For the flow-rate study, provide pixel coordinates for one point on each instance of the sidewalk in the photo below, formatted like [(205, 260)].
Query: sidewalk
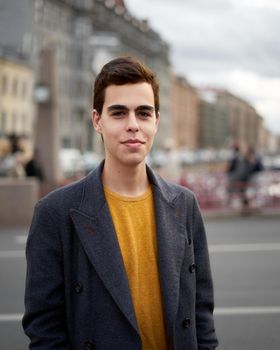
[(207, 214), (227, 213)]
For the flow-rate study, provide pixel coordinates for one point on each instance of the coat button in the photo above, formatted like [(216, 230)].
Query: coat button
[(88, 345), (192, 268), (189, 241), (186, 323), (78, 288)]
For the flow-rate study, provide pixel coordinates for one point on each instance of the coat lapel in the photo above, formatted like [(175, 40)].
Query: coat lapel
[(96, 231), (171, 246)]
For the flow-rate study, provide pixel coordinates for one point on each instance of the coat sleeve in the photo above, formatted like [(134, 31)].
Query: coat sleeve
[(206, 337), (44, 319)]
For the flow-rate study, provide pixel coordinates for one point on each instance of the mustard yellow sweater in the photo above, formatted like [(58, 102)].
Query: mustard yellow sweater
[(134, 222)]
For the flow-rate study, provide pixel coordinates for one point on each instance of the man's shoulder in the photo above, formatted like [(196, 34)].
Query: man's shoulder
[(174, 190), (64, 197)]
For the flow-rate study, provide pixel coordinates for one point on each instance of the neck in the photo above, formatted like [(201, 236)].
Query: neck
[(126, 180)]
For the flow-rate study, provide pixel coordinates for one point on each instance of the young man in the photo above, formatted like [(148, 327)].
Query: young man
[(119, 259)]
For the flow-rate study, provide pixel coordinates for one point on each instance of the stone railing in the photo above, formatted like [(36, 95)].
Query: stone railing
[(17, 200)]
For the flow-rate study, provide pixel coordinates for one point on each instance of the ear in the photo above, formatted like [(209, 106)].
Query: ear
[(96, 121)]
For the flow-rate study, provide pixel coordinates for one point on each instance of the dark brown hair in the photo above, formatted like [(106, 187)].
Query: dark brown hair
[(120, 71)]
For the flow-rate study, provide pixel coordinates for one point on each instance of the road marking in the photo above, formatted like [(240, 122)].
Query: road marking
[(218, 248), (4, 254), (10, 317), (251, 247), (21, 239), (253, 310), (220, 311)]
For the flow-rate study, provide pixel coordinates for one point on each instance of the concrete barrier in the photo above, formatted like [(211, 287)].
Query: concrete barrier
[(17, 200)]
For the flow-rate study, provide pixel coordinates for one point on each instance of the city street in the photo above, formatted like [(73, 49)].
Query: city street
[(245, 257)]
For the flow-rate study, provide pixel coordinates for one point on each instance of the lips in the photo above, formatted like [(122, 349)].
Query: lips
[(133, 141)]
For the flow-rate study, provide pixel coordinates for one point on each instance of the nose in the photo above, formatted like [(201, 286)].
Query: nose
[(132, 123)]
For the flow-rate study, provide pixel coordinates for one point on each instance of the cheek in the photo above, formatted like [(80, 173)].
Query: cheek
[(153, 130), (112, 135)]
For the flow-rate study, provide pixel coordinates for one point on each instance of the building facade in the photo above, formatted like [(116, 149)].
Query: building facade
[(185, 114), (214, 126), (244, 121), (16, 95), (84, 34), (269, 143)]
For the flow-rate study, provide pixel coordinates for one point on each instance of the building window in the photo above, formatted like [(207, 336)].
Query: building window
[(14, 122), (15, 86), (24, 89), (79, 58), (38, 13), (24, 126), (82, 27), (3, 122), (51, 12), (4, 85)]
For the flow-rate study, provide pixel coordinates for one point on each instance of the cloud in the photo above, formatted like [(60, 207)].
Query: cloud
[(271, 4), (249, 39), (223, 42)]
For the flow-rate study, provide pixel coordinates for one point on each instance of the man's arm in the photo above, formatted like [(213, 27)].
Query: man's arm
[(44, 319), (206, 337)]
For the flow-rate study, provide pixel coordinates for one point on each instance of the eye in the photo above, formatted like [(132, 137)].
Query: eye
[(118, 114), (144, 114)]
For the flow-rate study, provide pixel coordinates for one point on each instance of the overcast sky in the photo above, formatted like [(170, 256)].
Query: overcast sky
[(231, 44)]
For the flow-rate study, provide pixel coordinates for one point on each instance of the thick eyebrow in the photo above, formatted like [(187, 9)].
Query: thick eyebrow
[(125, 108), (118, 107), (145, 107)]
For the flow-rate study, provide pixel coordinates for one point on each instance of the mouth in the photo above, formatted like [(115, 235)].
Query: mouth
[(132, 142)]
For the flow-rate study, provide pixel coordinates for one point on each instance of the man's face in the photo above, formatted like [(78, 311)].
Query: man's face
[(128, 123)]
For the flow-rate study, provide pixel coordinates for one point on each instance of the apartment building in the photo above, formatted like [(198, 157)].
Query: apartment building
[(214, 122), (16, 98), (244, 121), (84, 34), (185, 117)]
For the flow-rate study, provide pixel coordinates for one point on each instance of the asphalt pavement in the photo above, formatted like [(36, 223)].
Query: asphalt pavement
[(245, 258)]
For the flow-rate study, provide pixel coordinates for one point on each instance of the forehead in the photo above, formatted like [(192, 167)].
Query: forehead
[(129, 94)]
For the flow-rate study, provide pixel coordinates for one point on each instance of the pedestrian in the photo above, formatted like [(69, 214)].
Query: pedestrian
[(33, 167), (119, 259), (12, 165), (246, 164), (234, 159)]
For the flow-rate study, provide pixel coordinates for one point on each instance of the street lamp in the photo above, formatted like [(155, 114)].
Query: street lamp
[(42, 93)]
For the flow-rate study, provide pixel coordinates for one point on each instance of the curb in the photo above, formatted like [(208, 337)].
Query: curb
[(223, 214)]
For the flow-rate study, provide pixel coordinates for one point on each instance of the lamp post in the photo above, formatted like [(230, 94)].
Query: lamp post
[(47, 140)]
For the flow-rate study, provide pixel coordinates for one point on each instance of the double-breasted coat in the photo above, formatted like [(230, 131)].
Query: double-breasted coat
[(77, 293)]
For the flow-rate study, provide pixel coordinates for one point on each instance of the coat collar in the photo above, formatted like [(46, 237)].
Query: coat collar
[(95, 228), (93, 194)]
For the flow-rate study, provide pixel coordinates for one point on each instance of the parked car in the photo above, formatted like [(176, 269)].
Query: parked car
[(75, 164)]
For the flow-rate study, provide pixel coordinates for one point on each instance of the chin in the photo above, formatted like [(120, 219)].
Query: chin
[(133, 161)]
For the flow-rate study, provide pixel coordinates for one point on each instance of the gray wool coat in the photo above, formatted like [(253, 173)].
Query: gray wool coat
[(77, 293)]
